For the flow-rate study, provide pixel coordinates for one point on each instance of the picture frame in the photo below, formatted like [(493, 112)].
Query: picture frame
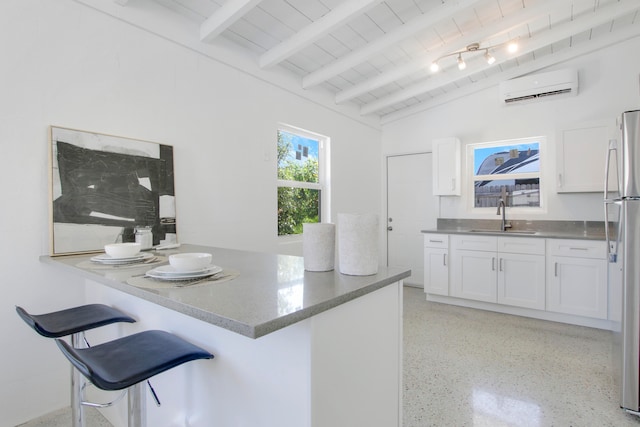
[(104, 187)]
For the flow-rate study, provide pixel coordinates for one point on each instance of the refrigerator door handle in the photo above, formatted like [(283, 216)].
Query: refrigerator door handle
[(612, 246), (613, 149), (612, 250)]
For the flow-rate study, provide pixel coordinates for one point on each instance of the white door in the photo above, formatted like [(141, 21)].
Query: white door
[(411, 208)]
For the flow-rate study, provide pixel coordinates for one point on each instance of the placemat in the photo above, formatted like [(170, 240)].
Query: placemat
[(87, 264), (151, 283)]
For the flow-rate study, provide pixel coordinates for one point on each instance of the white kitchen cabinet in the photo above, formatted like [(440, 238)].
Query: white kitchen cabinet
[(473, 275), (473, 267), (436, 264), (521, 272), (577, 277), (580, 158), (521, 280), (506, 270), (446, 166)]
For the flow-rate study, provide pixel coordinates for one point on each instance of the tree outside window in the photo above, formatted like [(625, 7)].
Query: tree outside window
[(300, 184)]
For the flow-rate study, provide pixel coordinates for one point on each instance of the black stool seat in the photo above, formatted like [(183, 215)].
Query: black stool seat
[(73, 320), (126, 361)]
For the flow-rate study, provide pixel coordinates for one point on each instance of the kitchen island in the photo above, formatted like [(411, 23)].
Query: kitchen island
[(292, 348)]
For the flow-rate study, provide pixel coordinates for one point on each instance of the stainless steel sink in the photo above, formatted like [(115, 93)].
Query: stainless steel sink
[(504, 232)]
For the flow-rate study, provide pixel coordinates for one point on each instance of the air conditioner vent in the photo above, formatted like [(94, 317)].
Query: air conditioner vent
[(538, 95), (540, 85)]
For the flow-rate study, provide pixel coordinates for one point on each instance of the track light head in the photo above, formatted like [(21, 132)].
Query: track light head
[(490, 59), (461, 64)]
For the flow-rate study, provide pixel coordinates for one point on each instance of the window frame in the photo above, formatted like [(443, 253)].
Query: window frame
[(472, 177), (324, 176)]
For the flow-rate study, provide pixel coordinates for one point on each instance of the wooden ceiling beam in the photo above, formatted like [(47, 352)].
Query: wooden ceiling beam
[(426, 20), (314, 31), (224, 17)]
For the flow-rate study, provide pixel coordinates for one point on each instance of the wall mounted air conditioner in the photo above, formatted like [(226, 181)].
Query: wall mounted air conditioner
[(540, 85)]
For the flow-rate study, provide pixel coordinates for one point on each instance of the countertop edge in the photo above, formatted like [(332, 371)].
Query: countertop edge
[(535, 235)]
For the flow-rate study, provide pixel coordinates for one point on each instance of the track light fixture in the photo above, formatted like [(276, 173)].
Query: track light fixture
[(461, 64), (512, 47)]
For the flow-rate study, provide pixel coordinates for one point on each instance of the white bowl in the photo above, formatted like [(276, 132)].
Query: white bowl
[(190, 261), (122, 250)]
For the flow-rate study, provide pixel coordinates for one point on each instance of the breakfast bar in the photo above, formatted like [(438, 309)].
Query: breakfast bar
[(292, 347)]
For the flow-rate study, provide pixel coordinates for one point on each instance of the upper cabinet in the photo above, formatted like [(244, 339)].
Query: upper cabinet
[(446, 167), (580, 156)]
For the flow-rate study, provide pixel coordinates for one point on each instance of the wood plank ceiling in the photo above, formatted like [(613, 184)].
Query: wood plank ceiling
[(374, 56)]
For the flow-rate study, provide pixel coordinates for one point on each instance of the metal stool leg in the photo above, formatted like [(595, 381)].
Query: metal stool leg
[(137, 405), (78, 383)]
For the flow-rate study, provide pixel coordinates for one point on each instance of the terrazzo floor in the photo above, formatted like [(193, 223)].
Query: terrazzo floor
[(465, 367)]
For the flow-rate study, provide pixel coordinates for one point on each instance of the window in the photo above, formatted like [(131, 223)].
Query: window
[(507, 170), (302, 179)]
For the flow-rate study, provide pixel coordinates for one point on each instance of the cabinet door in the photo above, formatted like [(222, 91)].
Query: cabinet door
[(521, 280), (436, 271), (446, 166), (580, 155), (577, 286), (473, 275)]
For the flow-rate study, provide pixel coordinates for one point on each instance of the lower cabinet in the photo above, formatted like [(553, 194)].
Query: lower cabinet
[(554, 275), (473, 275), (577, 278), (521, 272), (436, 264), (504, 270)]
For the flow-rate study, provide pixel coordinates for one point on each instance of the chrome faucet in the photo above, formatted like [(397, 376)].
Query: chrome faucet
[(504, 224)]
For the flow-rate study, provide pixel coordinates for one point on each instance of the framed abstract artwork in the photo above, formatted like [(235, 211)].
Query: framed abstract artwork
[(104, 187)]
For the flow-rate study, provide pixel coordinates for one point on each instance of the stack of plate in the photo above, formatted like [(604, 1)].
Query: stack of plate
[(167, 272), (109, 260)]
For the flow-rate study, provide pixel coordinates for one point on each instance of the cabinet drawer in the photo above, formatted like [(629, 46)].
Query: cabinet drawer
[(577, 248), (474, 243), (521, 245), (436, 240)]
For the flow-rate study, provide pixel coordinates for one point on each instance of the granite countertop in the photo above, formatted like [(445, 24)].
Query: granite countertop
[(270, 291), (584, 230)]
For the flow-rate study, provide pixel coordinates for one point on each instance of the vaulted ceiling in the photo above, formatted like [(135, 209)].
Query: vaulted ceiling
[(372, 58)]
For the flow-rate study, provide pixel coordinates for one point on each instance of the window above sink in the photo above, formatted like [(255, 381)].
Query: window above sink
[(508, 170)]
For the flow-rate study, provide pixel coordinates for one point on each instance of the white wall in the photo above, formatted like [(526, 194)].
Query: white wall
[(65, 64), (608, 86)]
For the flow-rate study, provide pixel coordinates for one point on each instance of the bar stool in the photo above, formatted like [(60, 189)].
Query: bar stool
[(126, 362), (74, 322)]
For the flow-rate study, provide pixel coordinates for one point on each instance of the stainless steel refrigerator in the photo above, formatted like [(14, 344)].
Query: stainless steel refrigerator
[(622, 225)]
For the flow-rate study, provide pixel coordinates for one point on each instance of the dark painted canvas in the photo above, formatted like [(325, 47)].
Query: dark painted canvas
[(103, 187)]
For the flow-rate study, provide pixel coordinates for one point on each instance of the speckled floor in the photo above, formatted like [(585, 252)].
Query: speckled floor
[(465, 367)]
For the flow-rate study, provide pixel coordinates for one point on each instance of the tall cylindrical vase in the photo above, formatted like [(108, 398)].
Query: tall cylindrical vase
[(318, 246), (358, 244)]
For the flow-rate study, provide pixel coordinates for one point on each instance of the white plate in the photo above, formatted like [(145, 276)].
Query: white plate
[(172, 271), (166, 272), (107, 259)]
